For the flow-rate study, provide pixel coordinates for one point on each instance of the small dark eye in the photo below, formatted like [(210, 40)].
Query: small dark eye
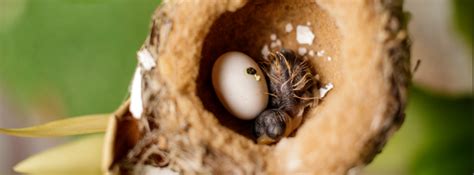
[(251, 71)]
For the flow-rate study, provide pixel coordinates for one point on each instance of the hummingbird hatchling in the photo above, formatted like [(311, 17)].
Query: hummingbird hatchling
[(290, 83)]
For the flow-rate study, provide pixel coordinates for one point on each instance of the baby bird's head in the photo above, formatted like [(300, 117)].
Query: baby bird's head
[(270, 126)]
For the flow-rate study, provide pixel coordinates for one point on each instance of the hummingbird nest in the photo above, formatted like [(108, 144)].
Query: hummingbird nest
[(178, 125)]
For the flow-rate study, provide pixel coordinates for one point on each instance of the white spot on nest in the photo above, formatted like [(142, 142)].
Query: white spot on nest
[(375, 125), (355, 170), (329, 58), (378, 121), (294, 163), (308, 23), (324, 90), (294, 160), (164, 31), (320, 53), (136, 104), (150, 170), (265, 51), (304, 35), (302, 51), (276, 43), (288, 28), (311, 53), (292, 156), (273, 37), (146, 59)]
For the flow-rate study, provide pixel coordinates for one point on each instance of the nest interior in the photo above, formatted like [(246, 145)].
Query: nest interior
[(248, 29)]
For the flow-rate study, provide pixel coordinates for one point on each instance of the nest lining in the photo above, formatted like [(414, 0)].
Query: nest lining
[(252, 27)]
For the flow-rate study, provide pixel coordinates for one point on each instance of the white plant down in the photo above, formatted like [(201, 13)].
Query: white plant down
[(146, 59), (288, 28), (302, 51), (265, 51), (276, 43), (150, 170), (136, 103), (273, 37), (304, 35), (324, 90), (320, 53), (311, 53)]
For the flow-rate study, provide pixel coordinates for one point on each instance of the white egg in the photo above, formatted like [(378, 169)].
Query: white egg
[(240, 85)]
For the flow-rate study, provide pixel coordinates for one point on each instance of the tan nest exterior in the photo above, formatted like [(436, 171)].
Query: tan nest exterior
[(184, 127)]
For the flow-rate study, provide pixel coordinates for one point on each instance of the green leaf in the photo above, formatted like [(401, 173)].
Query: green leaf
[(71, 126), (82, 156)]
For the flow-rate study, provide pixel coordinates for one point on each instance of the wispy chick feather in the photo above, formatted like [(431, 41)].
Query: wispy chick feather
[(290, 83)]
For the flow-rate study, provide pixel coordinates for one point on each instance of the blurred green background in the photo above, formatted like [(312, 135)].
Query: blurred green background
[(82, 51), (64, 58), (73, 57)]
